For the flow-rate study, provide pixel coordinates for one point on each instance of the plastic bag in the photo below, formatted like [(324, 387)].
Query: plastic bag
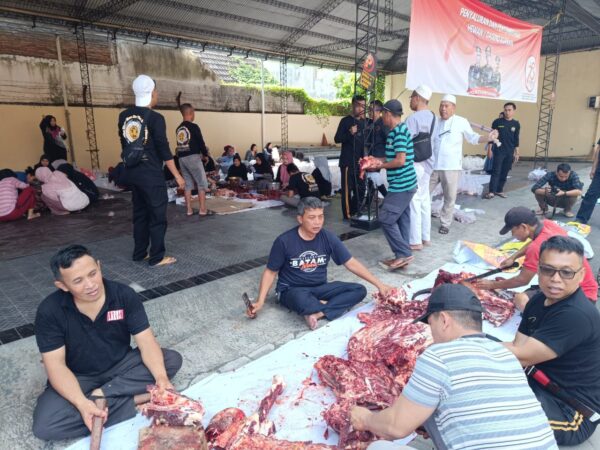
[(172, 194), (536, 174), (473, 163), (464, 217)]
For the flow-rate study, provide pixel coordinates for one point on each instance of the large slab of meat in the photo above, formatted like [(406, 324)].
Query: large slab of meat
[(171, 408), (498, 306), (172, 438), (368, 162)]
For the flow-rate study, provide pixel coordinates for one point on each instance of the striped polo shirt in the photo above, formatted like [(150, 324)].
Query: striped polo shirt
[(400, 179), (481, 397)]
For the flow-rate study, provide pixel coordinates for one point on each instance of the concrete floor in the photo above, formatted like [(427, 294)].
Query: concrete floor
[(206, 323)]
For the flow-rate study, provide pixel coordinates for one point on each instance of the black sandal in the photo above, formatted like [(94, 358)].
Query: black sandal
[(444, 230)]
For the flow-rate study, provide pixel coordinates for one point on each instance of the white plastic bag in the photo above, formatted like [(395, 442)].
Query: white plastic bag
[(536, 174), (473, 163), (172, 194)]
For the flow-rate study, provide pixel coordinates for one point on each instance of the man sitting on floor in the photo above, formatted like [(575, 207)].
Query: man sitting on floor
[(83, 331), (300, 256), (560, 189), (523, 224), (301, 185), (469, 391), (560, 335)]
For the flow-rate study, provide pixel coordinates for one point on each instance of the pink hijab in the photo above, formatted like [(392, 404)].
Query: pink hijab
[(54, 182)]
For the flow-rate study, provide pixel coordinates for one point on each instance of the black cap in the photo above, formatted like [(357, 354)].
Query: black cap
[(393, 106), (517, 216), (451, 297)]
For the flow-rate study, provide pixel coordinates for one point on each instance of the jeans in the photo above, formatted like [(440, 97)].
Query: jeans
[(589, 200)]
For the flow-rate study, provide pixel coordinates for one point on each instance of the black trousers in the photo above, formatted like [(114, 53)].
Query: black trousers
[(502, 163), (568, 425), (149, 222), (589, 200), (353, 191), (54, 418)]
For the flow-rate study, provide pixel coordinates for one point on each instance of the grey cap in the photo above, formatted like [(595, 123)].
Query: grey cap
[(516, 216), (393, 106), (451, 297)]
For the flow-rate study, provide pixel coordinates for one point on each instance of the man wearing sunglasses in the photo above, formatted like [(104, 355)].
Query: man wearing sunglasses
[(560, 335), (524, 224)]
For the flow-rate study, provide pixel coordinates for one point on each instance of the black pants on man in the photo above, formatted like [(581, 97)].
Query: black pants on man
[(568, 425), (54, 418), (149, 222), (589, 200), (340, 297), (353, 191), (502, 163)]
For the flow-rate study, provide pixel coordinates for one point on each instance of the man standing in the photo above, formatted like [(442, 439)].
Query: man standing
[(394, 215), (83, 331), (593, 193), (149, 190), (420, 125), (563, 190), (379, 139), (469, 391), (300, 257), (447, 155), (190, 149), (350, 134), (560, 335), (508, 134), (523, 224)]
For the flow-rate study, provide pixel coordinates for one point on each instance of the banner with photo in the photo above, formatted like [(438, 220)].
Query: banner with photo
[(465, 47)]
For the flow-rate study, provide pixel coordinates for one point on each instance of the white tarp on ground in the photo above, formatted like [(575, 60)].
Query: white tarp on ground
[(297, 415)]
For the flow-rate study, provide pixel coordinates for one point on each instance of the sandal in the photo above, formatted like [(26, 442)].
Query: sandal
[(444, 230), (399, 263), (190, 213), (167, 260), (501, 194), (207, 213), (569, 214), (540, 212), (488, 196)]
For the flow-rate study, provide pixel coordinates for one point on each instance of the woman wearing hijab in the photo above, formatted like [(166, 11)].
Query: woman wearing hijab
[(237, 169), (54, 136), (59, 193), (14, 204), (83, 183), (262, 168), (44, 162)]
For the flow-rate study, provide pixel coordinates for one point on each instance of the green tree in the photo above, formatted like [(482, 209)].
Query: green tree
[(245, 73), (344, 85)]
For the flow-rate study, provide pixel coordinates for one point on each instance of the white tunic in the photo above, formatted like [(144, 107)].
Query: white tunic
[(447, 142)]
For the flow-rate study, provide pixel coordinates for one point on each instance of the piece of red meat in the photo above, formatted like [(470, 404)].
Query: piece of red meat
[(366, 163), (172, 438), (397, 301), (224, 427), (260, 442), (171, 408), (337, 417)]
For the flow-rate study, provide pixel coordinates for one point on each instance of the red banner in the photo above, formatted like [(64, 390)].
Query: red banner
[(464, 47)]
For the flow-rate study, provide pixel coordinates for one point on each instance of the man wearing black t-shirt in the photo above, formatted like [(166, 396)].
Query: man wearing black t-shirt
[(560, 335), (351, 134), (190, 149), (300, 257), (301, 185), (83, 332), (504, 156), (148, 188)]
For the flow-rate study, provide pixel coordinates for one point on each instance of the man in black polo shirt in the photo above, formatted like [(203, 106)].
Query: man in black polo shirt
[(299, 258), (301, 185), (83, 332), (560, 189), (560, 335), (149, 191), (509, 130)]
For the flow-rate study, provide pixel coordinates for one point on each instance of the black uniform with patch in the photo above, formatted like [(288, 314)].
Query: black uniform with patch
[(304, 184)]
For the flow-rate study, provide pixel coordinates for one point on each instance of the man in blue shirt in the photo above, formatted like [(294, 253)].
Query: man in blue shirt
[(394, 215), (300, 257)]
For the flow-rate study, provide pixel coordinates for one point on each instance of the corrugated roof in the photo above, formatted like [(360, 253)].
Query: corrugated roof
[(313, 31)]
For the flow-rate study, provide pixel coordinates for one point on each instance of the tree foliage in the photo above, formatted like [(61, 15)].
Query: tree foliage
[(344, 85), (244, 73)]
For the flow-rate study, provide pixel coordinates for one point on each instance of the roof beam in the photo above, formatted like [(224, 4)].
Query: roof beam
[(574, 10), (108, 9)]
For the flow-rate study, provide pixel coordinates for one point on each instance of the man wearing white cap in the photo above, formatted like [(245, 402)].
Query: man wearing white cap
[(149, 190), (447, 154), (420, 126)]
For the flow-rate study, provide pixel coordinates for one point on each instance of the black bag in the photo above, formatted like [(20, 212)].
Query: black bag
[(422, 144), (133, 152)]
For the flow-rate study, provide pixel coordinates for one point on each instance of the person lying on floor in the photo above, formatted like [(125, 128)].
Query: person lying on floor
[(468, 391), (83, 183), (523, 224), (83, 331), (560, 334), (299, 258)]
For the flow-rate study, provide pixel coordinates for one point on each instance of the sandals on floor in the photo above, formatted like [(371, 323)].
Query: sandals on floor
[(501, 194), (167, 260), (444, 230), (488, 196), (207, 213)]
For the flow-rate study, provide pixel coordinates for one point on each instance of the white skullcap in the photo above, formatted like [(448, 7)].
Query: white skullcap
[(424, 91), (449, 98)]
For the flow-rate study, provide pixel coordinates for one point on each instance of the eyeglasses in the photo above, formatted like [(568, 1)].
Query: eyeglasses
[(565, 274)]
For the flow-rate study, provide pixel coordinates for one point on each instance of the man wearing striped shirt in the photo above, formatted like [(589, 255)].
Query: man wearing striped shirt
[(394, 214), (468, 391)]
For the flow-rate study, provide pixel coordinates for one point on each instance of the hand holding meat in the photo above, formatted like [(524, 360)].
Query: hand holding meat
[(385, 290), (89, 410), (359, 417), (164, 384), (368, 163)]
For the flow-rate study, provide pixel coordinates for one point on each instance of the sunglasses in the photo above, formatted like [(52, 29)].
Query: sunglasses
[(565, 274)]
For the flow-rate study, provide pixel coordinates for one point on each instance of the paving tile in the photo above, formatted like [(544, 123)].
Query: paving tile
[(9, 335), (25, 330)]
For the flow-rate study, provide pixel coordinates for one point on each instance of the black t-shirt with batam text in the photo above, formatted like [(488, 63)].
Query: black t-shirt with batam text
[(304, 263)]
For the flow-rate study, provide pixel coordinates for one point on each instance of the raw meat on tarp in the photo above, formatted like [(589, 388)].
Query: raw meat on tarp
[(260, 442), (338, 418), (167, 407), (172, 438), (224, 427), (398, 301)]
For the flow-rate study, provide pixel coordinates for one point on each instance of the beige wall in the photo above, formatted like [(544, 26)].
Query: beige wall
[(21, 139), (575, 127)]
